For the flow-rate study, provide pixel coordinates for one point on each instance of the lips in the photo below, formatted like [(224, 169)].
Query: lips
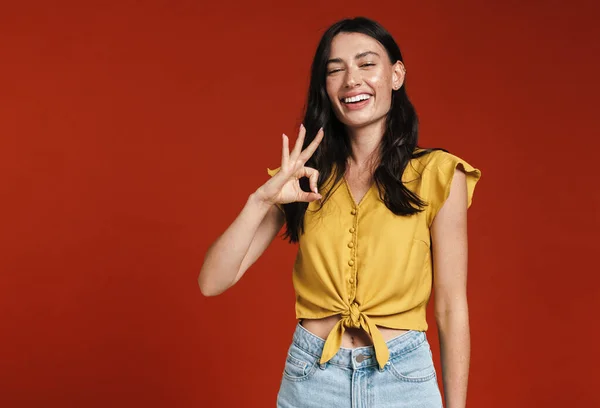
[(356, 105), (355, 97)]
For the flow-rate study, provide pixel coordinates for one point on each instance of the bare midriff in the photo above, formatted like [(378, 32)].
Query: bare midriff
[(352, 337)]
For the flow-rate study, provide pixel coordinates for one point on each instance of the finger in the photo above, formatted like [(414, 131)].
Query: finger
[(314, 177), (309, 197), (299, 143), (310, 149), (306, 171), (285, 151)]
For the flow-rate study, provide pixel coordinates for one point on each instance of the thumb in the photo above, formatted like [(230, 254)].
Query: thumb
[(309, 197)]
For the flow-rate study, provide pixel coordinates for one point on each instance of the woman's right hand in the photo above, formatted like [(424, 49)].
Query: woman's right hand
[(284, 187)]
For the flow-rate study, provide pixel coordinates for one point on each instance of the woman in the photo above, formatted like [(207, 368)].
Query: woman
[(374, 216)]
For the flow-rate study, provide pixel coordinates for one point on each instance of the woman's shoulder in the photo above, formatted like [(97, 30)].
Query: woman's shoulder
[(438, 172), (436, 158), (426, 159)]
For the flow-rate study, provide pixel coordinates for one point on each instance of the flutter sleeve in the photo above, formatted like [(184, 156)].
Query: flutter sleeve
[(272, 173), (441, 171)]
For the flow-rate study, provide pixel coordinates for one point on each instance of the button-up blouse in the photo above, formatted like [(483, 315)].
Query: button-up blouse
[(365, 263)]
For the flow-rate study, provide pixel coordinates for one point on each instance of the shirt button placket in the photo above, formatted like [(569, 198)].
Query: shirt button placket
[(351, 262)]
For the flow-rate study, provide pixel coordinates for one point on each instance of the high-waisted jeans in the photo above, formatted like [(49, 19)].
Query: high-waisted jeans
[(352, 378)]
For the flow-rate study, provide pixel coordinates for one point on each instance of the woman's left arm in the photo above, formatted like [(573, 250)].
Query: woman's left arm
[(450, 249)]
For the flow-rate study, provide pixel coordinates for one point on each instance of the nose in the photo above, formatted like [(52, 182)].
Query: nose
[(352, 78)]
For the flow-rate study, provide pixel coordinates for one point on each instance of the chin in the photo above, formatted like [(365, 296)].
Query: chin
[(358, 123)]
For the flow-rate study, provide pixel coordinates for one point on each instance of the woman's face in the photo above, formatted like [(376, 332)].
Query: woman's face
[(360, 79)]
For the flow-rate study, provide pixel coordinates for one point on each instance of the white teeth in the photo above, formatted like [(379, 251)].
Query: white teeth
[(361, 97)]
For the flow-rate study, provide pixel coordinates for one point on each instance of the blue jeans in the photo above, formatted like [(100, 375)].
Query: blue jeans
[(352, 378)]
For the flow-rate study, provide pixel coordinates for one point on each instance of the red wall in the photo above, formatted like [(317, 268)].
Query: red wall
[(131, 134)]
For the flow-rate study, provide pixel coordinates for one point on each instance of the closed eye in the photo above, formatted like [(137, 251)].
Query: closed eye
[(368, 64)]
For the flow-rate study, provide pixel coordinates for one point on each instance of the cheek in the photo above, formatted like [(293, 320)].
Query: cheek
[(381, 82), (332, 87)]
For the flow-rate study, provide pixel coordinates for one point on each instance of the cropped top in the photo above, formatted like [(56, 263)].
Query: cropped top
[(367, 264)]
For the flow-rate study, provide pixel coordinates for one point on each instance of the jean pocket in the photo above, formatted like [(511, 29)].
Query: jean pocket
[(415, 365), (299, 365)]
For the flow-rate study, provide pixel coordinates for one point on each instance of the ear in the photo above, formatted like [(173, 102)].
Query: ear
[(398, 74)]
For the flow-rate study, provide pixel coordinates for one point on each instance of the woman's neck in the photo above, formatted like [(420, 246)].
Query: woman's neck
[(365, 142)]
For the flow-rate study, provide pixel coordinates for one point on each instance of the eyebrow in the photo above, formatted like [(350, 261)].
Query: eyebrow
[(358, 56)]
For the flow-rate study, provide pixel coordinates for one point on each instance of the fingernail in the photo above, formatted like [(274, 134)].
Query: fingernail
[(301, 125)]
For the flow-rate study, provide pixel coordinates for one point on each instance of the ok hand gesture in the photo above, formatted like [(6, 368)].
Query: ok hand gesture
[(284, 187)]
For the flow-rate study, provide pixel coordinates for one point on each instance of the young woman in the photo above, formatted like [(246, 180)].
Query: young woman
[(379, 222)]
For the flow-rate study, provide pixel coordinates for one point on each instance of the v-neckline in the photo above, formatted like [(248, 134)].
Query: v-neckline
[(352, 196)]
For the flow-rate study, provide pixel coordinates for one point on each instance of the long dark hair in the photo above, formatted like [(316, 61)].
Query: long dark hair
[(397, 146)]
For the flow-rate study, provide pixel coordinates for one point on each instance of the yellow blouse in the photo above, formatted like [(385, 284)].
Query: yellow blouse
[(370, 266)]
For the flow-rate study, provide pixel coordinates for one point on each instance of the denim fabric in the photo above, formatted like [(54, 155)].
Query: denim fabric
[(352, 378)]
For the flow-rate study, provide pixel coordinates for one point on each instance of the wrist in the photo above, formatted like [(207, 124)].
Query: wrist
[(257, 199)]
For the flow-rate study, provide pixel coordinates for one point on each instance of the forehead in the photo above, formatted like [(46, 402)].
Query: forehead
[(348, 45)]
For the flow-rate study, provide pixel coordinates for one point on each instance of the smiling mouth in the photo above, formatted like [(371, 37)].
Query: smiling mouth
[(356, 99)]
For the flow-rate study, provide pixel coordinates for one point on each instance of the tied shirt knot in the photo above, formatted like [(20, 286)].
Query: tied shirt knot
[(352, 316)]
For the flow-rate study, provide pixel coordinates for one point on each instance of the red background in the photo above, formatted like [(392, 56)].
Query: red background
[(132, 133)]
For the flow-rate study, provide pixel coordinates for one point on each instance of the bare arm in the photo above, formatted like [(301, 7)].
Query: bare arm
[(449, 239), (242, 243), (245, 240)]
